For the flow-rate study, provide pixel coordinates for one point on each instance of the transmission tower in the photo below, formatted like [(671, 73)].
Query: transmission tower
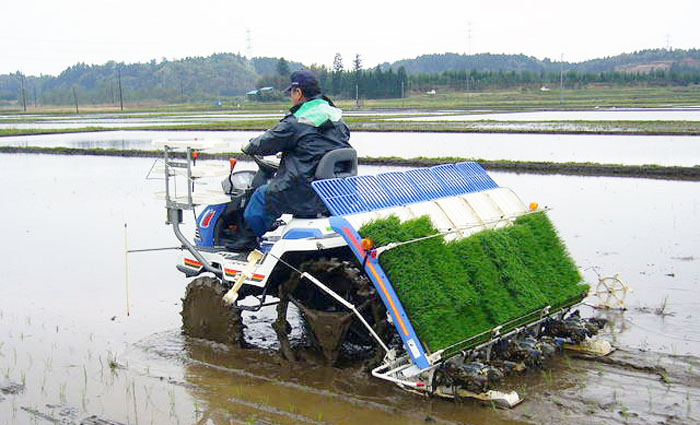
[(469, 38), (248, 43)]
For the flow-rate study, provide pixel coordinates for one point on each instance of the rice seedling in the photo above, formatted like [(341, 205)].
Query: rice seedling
[(688, 404), (62, 392), (133, 396), (455, 290), (48, 364), (171, 396), (43, 385)]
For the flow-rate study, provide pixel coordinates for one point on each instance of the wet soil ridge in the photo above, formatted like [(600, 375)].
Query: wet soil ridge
[(576, 169)]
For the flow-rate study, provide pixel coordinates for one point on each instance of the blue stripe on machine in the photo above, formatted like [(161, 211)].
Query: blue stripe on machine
[(302, 233)]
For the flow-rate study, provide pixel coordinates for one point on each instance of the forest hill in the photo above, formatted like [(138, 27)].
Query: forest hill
[(228, 76)]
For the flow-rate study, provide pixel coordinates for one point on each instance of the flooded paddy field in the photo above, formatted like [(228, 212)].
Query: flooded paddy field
[(603, 114), (602, 149), (70, 354), (156, 119)]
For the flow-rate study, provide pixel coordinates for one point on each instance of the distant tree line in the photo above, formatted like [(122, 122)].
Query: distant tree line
[(226, 76), (438, 63), (486, 80), (193, 79), (375, 83)]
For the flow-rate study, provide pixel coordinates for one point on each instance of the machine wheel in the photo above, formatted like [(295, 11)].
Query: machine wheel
[(204, 314), (329, 324), (611, 291)]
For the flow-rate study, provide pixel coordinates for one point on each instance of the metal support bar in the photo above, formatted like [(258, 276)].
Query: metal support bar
[(131, 251), (189, 175), (399, 365), (337, 297), (348, 305), (173, 218)]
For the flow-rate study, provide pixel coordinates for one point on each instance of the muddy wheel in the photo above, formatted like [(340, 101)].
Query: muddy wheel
[(204, 314), (328, 323)]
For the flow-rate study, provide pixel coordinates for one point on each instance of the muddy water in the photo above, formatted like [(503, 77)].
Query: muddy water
[(617, 149), (68, 350)]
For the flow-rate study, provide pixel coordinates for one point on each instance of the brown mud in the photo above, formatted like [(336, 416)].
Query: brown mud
[(528, 167), (628, 386)]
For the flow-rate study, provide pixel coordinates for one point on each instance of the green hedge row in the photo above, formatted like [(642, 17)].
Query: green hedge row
[(453, 291)]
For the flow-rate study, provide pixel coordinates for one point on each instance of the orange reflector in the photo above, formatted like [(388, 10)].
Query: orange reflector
[(232, 162), (367, 244), (534, 206)]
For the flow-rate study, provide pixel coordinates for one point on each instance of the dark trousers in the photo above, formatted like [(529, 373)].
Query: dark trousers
[(256, 216)]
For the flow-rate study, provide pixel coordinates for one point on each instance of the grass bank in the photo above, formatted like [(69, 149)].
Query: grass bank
[(367, 124)]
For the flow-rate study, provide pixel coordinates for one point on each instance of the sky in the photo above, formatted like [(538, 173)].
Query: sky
[(47, 36)]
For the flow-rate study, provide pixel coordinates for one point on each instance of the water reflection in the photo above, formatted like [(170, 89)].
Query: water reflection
[(605, 149), (612, 114)]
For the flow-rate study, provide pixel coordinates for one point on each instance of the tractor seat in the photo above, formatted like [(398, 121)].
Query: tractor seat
[(337, 163)]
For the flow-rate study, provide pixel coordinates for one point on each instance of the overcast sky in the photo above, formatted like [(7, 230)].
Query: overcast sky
[(47, 36)]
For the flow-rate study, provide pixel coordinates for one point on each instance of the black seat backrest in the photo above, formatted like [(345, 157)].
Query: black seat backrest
[(337, 164)]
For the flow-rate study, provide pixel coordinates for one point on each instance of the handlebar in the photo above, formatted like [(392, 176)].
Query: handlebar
[(267, 167)]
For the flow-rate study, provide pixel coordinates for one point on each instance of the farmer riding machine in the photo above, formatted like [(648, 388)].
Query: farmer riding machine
[(449, 279)]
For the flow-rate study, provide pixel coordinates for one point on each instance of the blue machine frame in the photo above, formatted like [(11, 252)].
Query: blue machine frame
[(206, 223)]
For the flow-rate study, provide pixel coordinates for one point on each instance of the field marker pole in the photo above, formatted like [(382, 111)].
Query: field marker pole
[(126, 268)]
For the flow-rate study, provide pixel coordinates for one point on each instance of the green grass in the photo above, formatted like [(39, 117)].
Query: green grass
[(518, 98), (454, 291)]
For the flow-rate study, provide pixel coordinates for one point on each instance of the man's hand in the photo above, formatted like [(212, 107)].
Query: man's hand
[(245, 146)]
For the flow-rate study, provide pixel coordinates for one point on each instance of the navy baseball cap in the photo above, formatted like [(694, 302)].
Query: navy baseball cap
[(306, 80)]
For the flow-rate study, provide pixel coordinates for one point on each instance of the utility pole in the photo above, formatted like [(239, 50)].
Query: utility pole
[(75, 98), (357, 95), (469, 53), (468, 94), (24, 97), (121, 98), (561, 80)]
